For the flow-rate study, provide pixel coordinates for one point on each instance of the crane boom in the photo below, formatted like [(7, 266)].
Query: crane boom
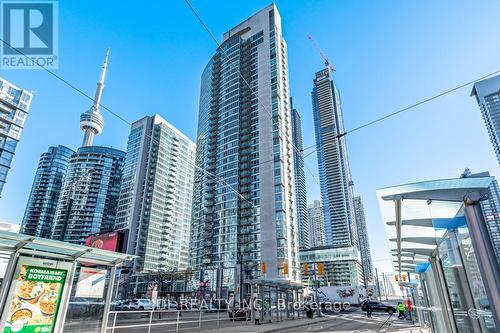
[(325, 59)]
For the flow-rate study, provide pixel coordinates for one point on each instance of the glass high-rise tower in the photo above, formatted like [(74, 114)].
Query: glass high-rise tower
[(42, 203), (156, 195), (14, 106), (491, 209), (334, 173), (487, 93), (300, 180), (316, 224), (244, 195), (364, 244), (89, 196)]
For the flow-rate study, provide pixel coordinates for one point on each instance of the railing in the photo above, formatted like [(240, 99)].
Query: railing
[(174, 320), (152, 321)]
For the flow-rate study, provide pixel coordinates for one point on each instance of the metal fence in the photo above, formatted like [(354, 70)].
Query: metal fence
[(194, 320)]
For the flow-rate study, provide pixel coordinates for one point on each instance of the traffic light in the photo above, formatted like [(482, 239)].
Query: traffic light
[(396, 278), (321, 268), (285, 268), (403, 277), (263, 268), (306, 268)]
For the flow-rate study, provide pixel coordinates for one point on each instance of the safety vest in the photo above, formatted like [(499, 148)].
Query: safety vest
[(401, 307)]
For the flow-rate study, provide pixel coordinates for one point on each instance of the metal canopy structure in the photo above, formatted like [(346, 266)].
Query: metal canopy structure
[(409, 213), (14, 242), (14, 247)]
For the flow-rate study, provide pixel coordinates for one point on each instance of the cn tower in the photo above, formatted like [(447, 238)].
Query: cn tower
[(91, 121)]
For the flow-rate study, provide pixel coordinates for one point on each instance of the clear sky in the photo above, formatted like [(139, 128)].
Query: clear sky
[(388, 54)]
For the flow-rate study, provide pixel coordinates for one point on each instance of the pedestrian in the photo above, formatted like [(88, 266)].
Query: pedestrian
[(409, 307), (256, 315), (369, 309), (256, 311), (401, 311)]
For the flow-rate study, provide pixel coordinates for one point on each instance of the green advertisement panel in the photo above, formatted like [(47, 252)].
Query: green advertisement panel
[(35, 303)]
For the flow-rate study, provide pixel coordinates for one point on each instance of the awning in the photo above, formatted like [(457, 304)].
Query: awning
[(11, 242), (412, 213)]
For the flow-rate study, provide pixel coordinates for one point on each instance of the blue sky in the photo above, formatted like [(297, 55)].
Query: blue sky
[(388, 54)]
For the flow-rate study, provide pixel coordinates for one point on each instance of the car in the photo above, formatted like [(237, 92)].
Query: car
[(183, 306), (140, 304), (210, 307), (171, 305), (166, 304), (240, 314), (118, 305), (378, 307)]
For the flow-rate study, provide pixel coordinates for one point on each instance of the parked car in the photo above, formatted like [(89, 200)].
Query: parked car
[(378, 307), (166, 304), (171, 305), (240, 314), (184, 306), (118, 305), (140, 304), (210, 307)]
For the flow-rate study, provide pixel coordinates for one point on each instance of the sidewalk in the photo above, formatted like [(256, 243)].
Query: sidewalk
[(270, 327)]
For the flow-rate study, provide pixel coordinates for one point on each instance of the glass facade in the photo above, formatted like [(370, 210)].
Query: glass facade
[(89, 194), (14, 107), (244, 196), (487, 93), (468, 302), (342, 266), (334, 173), (430, 231), (316, 224), (364, 244), (300, 181), (491, 210), (42, 203), (156, 195)]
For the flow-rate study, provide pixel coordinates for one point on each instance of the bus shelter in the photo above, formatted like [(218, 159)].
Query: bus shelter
[(275, 300), (436, 230), (54, 286)]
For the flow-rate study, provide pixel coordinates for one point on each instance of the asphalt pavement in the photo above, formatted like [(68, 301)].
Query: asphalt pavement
[(357, 322), (354, 321)]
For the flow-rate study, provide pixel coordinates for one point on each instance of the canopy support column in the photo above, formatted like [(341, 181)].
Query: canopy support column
[(483, 248), (443, 296)]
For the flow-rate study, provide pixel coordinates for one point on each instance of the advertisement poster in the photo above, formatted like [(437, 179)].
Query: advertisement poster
[(35, 303), (91, 283), (107, 241)]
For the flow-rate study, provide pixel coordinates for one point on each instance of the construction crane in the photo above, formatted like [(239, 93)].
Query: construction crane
[(327, 62)]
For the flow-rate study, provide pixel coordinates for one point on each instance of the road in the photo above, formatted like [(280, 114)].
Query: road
[(357, 322), (344, 322)]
